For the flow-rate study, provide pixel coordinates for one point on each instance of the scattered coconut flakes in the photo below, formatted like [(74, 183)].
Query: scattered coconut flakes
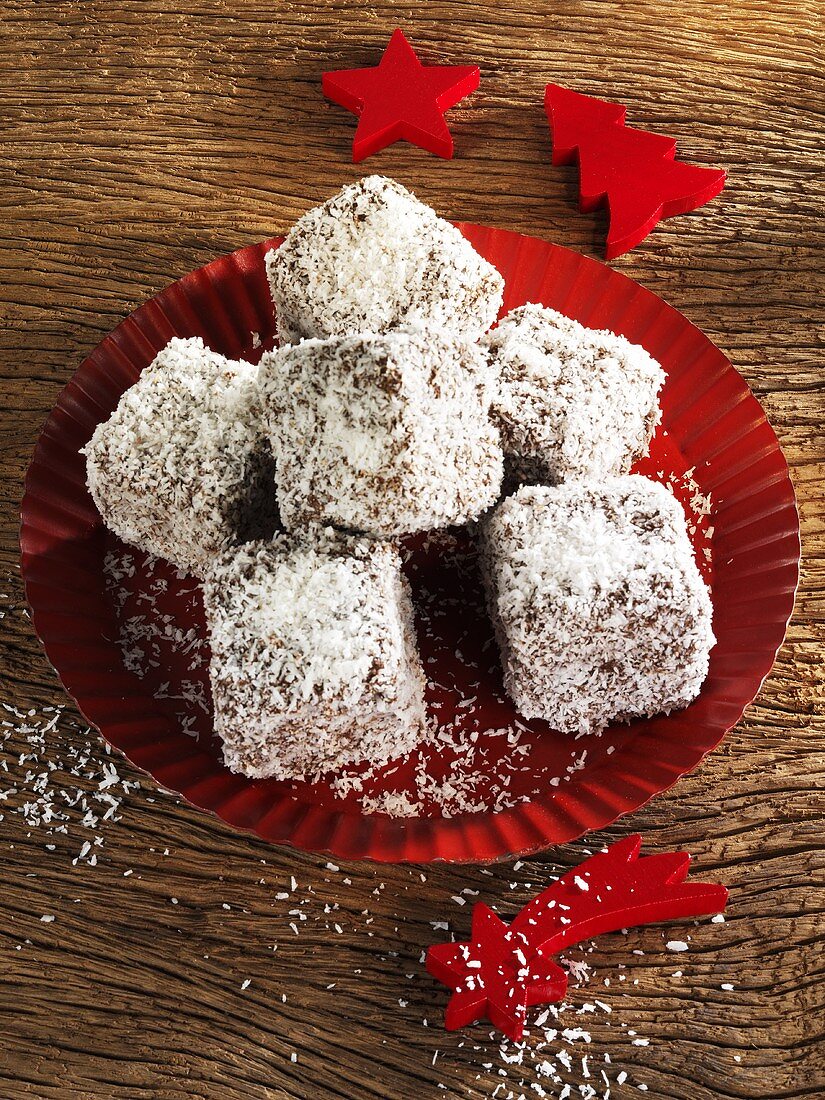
[(61, 776), (556, 1056), (394, 803)]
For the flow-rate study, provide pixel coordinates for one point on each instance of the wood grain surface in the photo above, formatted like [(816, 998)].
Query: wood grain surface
[(141, 138)]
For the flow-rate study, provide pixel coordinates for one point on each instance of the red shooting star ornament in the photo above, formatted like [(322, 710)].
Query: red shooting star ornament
[(505, 969), (632, 172), (401, 99)]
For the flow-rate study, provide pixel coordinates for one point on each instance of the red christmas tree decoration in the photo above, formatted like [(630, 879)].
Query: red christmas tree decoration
[(632, 172), (401, 99), (506, 968)]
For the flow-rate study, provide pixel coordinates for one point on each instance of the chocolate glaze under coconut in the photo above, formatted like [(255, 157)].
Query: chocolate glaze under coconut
[(600, 612), (182, 468), (314, 663), (386, 434), (373, 258), (571, 401)]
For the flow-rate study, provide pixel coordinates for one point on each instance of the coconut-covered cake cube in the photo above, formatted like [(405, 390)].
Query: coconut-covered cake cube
[(182, 468), (383, 434), (373, 258), (314, 662), (599, 609), (572, 401)]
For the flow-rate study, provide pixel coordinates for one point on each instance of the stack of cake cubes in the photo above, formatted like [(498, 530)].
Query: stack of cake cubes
[(393, 407)]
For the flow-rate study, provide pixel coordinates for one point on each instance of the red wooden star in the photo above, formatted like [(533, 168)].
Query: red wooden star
[(505, 968), (401, 99)]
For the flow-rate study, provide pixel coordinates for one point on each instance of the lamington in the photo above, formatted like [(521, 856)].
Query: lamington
[(599, 609), (182, 468), (382, 434), (572, 402), (314, 661), (373, 258)]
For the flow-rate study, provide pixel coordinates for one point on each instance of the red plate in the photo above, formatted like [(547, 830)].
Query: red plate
[(126, 634)]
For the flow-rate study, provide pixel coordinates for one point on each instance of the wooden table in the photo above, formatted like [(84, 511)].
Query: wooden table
[(140, 140)]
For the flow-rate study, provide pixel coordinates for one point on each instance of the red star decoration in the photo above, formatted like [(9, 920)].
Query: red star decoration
[(401, 99), (492, 975), (505, 968)]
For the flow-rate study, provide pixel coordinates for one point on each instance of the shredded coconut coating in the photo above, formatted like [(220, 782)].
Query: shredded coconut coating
[(572, 401), (599, 609), (373, 258), (314, 660), (182, 469), (384, 434)]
